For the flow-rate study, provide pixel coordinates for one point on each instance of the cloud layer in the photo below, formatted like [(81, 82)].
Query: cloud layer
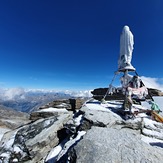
[(14, 93), (21, 93), (156, 83)]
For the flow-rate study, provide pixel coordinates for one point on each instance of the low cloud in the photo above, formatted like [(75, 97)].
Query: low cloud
[(85, 93), (13, 93), (156, 83), (20, 93)]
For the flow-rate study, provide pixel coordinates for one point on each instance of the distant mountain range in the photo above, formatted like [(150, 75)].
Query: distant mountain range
[(28, 100)]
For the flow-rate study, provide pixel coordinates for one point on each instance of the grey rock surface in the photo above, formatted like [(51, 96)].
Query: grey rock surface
[(38, 115), (69, 104), (32, 141), (108, 145), (9, 118), (94, 134), (152, 129), (99, 93), (106, 118)]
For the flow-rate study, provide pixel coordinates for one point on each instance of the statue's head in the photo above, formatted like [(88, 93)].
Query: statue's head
[(126, 28)]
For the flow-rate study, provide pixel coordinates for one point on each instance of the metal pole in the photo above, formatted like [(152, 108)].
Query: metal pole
[(110, 86)]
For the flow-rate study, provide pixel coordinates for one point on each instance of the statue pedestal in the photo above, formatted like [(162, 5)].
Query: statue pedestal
[(124, 69)]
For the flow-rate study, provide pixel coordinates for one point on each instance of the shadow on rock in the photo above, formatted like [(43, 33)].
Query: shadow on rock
[(158, 144)]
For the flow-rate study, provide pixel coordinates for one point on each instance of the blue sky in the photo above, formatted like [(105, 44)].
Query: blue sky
[(74, 44)]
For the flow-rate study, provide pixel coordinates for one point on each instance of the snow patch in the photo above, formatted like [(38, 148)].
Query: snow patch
[(60, 150), (78, 120), (54, 152), (152, 133), (3, 131), (71, 143), (17, 149), (92, 106), (52, 110), (149, 140)]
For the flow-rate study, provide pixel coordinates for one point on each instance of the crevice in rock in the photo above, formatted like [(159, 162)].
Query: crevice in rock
[(133, 126), (72, 156), (78, 113), (62, 134), (87, 124), (69, 157), (68, 137), (71, 135)]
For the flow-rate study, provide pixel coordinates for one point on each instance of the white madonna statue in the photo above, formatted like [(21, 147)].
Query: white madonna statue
[(126, 49)]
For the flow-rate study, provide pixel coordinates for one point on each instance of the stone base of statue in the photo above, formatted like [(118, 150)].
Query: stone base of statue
[(126, 67)]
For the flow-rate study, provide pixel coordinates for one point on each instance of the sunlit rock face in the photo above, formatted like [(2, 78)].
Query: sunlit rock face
[(32, 142), (96, 132), (115, 145)]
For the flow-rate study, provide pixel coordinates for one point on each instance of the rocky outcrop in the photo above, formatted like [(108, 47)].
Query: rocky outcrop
[(112, 139), (99, 93), (64, 103), (101, 118), (42, 114), (69, 104), (107, 145), (48, 127), (12, 119), (155, 92), (95, 133), (32, 142), (79, 102)]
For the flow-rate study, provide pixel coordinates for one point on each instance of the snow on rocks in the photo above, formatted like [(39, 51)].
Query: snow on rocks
[(54, 153), (99, 115), (113, 139), (53, 110), (152, 133), (59, 151), (152, 129), (95, 133), (3, 131), (48, 112), (152, 141), (6, 145), (32, 141)]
